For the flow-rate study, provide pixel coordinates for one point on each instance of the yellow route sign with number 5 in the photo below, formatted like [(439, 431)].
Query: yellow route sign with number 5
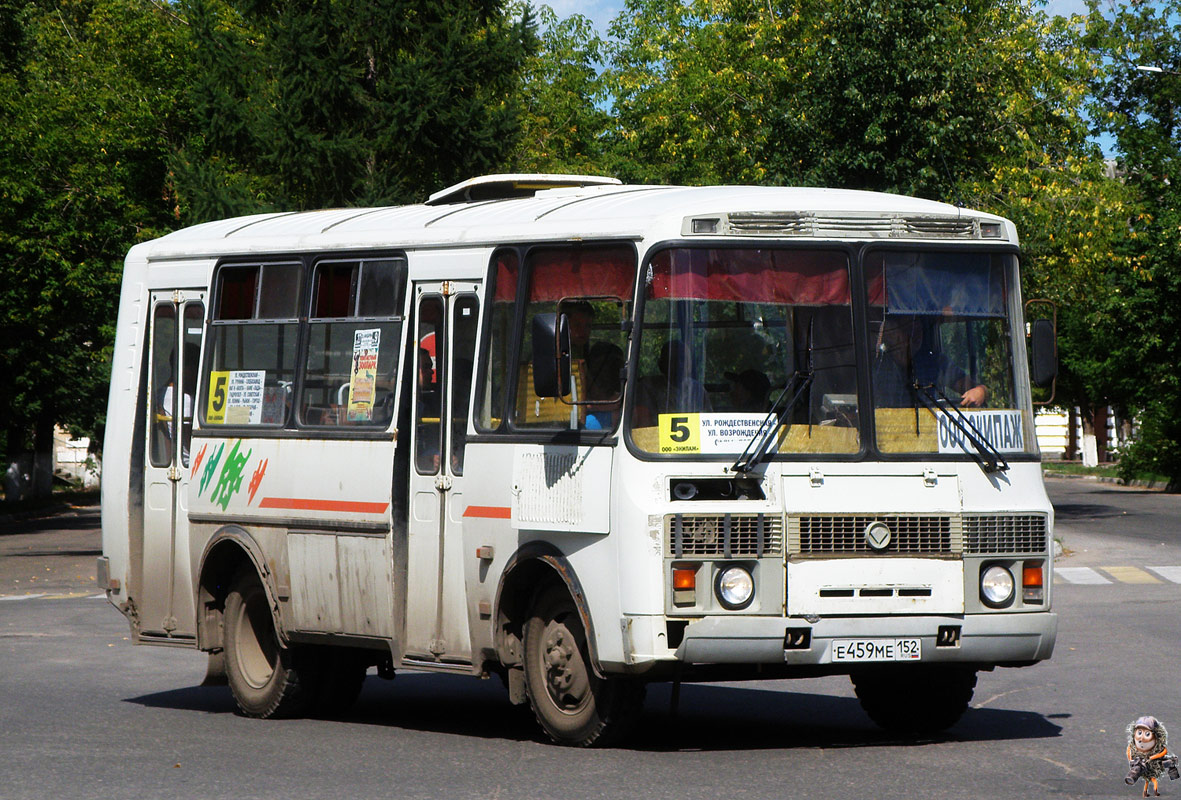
[(680, 433), (215, 414)]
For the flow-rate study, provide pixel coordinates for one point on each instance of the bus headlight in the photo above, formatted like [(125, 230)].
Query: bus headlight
[(996, 586), (735, 587)]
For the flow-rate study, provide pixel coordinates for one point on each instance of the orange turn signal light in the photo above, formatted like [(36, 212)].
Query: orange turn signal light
[(1031, 573), (684, 578)]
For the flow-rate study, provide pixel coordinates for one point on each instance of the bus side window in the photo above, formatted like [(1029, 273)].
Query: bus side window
[(501, 314), (590, 285), (353, 335), (255, 334)]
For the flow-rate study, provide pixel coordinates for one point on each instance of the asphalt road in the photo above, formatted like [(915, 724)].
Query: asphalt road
[(84, 714)]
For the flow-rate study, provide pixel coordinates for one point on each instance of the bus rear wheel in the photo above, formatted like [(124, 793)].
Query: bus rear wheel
[(573, 705), (915, 699), (261, 672)]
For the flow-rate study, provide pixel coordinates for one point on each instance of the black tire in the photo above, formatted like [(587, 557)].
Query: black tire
[(573, 705), (915, 699), (262, 673)]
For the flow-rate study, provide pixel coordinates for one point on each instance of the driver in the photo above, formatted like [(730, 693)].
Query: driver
[(902, 361)]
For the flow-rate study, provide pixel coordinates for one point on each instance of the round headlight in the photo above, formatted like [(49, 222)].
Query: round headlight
[(996, 585), (735, 587)]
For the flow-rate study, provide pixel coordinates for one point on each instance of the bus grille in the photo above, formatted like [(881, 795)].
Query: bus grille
[(1021, 533), (724, 535), (846, 534)]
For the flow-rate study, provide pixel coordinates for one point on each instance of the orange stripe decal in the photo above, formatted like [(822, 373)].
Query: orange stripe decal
[(489, 512), (301, 504)]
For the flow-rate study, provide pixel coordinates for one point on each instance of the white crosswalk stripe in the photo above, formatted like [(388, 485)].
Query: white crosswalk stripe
[(1079, 575), (1168, 573)]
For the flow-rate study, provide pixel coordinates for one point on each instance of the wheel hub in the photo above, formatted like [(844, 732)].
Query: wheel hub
[(566, 675)]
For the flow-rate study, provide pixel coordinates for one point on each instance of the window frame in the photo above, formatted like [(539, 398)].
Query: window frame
[(293, 428), (506, 430)]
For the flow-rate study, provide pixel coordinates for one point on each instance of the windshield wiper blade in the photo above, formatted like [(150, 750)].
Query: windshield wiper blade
[(761, 440), (987, 456)]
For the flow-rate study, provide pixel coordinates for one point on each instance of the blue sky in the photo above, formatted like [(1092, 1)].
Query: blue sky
[(601, 12)]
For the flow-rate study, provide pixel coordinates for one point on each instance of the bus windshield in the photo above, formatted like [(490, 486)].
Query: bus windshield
[(729, 334), (942, 350), (724, 332)]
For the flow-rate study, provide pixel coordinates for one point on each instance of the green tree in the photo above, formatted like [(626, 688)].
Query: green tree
[(1141, 110), (564, 122), (336, 102), (895, 95), (90, 112)]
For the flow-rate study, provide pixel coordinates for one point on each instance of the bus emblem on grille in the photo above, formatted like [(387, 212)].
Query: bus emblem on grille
[(877, 535)]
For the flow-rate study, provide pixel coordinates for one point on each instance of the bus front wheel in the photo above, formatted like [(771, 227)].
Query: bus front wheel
[(261, 673), (572, 704), (915, 699)]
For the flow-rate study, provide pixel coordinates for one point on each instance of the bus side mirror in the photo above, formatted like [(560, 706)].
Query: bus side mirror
[(1043, 348), (551, 355)]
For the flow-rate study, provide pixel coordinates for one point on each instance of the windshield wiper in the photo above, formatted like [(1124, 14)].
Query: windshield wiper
[(761, 440), (987, 456)]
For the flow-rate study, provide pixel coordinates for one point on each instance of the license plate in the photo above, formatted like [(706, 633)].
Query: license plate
[(859, 650)]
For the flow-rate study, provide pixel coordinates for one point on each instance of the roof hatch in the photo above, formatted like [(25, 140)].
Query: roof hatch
[(505, 187)]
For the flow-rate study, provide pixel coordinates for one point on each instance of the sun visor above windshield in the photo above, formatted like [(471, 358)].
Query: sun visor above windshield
[(943, 283)]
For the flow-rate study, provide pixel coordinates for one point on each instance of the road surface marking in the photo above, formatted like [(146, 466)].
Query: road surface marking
[(1168, 573), (1079, 575), (1130, 575), (21, 596)]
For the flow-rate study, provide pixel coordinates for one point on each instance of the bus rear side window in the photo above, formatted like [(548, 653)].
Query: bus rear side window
[(254, 339)]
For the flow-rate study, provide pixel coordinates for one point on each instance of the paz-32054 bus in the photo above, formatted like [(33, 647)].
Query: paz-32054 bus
[(584, 436)]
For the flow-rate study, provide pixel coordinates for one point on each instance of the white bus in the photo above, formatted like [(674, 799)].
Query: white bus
[(584, 436)]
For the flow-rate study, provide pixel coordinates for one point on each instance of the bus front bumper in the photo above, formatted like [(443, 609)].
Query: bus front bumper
[(984, 639)]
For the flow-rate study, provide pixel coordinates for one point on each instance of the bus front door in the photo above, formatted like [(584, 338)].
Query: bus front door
[(437, 627), (165, 599)]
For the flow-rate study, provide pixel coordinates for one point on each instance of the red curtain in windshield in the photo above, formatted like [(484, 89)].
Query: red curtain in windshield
[(789, 277)]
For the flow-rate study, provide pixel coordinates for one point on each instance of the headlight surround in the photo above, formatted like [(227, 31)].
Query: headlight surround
[(734, 587), (996, 586)]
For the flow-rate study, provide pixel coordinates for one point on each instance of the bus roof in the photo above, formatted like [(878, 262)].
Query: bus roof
[(592, 211)]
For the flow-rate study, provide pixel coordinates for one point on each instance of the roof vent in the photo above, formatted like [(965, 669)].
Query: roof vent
[(506, 187)]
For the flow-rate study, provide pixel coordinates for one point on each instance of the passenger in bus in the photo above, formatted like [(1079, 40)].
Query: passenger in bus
[(192, 354), (904, 359), (429, 407), (604, 366), (579, 316), (674, 389), (748, 390)]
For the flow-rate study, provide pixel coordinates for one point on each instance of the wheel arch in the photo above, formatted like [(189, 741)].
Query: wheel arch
[(228, 551), (534, 565)]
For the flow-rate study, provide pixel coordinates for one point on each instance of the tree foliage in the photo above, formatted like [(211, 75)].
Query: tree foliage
[(126, 118), (339, 102), (1142, 110), (90, 104)]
